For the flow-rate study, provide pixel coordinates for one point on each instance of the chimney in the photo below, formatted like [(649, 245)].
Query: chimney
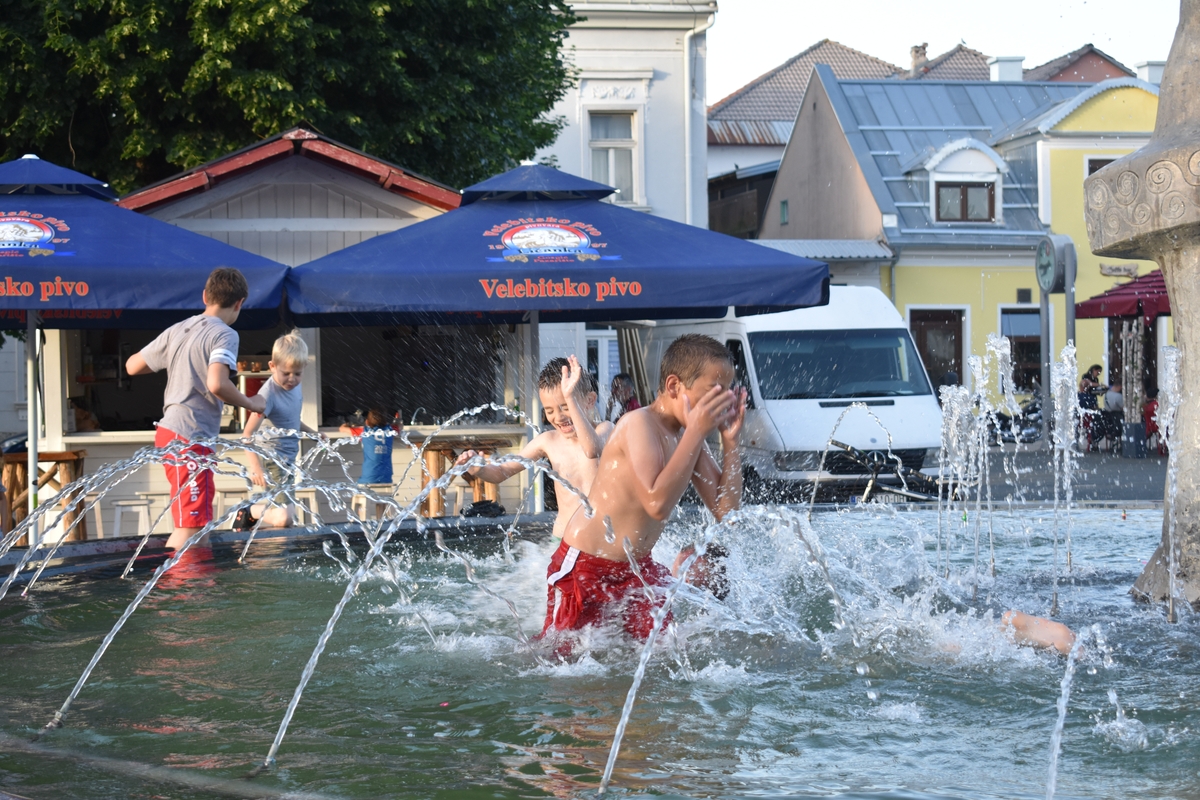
[(1151, 71), (1007, 68), (919, 58)]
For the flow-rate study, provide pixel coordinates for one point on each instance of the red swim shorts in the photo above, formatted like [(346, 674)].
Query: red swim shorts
[(591, 590), (192, 507)]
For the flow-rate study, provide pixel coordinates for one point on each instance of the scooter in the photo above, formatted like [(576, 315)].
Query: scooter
[(1026, 427)]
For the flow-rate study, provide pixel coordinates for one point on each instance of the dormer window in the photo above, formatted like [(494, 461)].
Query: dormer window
[(966, 202), (966, 182)]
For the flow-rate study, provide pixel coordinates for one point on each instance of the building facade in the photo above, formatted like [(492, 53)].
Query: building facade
[(960, 180), (635, 118)]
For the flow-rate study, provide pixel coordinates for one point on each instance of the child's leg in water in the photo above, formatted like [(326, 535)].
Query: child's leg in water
[(1034, 631)]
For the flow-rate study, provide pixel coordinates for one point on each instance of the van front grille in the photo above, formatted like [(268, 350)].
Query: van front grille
[(840, 463)]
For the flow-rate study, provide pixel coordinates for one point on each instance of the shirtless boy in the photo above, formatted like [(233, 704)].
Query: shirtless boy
[(647, 465), (572, 446)]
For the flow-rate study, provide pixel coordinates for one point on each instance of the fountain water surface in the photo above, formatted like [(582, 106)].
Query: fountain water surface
[(858, 654)]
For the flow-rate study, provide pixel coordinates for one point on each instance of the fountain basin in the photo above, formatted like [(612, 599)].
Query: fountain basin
[(930, 701)]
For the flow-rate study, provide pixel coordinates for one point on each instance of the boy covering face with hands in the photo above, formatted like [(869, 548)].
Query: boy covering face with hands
[(646, 466)]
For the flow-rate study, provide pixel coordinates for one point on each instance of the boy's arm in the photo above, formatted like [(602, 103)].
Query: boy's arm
[(721, 489), (223, 389), (589, 441), (498, 473), (136, 365), (252, 460), (659, 487)]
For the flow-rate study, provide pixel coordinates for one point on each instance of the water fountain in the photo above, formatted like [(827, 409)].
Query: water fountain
[(849, 622), (1144, 206)]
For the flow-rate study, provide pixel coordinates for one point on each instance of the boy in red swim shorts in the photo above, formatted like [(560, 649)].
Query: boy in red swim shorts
[(199, 354), (645, 468)]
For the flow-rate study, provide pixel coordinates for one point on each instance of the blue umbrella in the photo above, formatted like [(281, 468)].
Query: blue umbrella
[(80, 261), (538, 239), (84, 262)]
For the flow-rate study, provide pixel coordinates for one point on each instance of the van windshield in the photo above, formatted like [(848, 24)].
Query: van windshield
[(796, 365)]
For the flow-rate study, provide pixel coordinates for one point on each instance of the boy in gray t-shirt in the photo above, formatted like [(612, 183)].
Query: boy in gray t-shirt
[(199, 354), (289, 355)]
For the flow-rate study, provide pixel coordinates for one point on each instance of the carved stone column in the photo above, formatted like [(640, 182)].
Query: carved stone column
[(1147, 205)]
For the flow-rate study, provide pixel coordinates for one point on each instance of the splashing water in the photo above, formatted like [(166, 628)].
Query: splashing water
[(1166, 418)]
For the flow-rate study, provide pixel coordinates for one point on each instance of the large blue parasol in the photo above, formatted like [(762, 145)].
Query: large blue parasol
[(77, 260), (538, 239), (83, 262)]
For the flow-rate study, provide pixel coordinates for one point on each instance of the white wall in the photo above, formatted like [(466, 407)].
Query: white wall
[(631, 58)]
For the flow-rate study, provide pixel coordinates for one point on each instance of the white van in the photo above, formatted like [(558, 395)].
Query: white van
[(804, 369)]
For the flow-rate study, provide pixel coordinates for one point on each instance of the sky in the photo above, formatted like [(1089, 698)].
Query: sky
[(751, 37)]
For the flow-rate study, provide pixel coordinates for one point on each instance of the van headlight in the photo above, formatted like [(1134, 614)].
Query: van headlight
[(797, 460), (931, 457)]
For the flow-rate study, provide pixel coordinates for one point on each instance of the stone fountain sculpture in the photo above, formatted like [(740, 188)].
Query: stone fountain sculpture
[(1147, 205)]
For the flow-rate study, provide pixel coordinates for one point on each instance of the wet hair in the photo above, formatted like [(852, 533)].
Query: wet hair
[(551, 376), (718, 578), (225, 286), (376, 418), (688, 357), (290, 349)]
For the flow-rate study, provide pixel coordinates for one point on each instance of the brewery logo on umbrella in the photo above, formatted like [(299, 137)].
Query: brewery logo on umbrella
[(547, 241), (23, 233)]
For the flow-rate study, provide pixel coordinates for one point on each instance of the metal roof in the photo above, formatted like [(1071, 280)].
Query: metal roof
[(763, 111), (1049, 119), (890, 123), (831, 249), (750, 131)]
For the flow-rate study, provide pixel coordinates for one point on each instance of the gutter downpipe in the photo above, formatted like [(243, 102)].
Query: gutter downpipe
[(688, 92)]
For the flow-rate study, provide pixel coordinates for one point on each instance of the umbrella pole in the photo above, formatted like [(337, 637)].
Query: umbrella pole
[(33, 429), (534, 404)]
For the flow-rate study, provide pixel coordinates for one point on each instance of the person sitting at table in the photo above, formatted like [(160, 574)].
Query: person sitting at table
[(1114, 400), (1089, 387)]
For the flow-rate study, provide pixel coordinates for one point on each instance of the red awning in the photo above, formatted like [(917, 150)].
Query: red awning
[(1146, 295)]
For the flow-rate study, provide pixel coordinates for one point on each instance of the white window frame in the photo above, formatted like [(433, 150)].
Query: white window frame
[(635, 144), (995, 178)]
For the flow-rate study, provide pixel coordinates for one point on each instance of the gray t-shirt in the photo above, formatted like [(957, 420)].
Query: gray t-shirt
[(185, 350), (283, 411)]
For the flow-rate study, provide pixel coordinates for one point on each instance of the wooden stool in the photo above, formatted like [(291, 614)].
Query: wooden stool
[(358, 503), (306, 505), (140, 507), (97, 511), (67, 467)]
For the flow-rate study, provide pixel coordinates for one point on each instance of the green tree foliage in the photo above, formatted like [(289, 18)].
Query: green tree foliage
[(135, 90)]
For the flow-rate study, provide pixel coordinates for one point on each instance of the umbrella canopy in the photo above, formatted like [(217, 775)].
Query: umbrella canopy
[(1146, 295), (538, 239), (84, 262)]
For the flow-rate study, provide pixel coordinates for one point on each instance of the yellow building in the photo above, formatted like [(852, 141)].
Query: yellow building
[(960, 180)]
